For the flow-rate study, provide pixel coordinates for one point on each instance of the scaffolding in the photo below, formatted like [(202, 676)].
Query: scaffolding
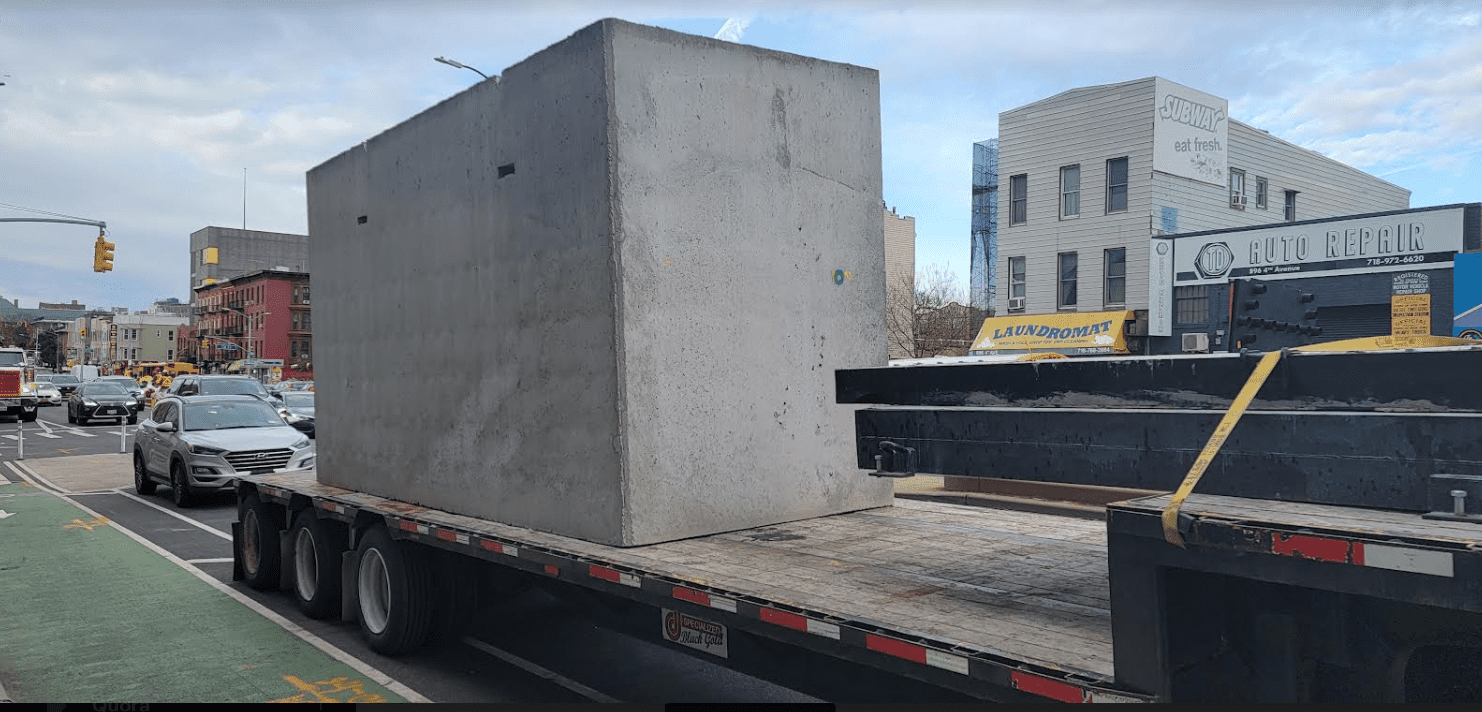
[(985, 226)]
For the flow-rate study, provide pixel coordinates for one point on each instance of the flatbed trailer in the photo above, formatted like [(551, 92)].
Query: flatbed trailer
[(1270, 601), (965, 601)]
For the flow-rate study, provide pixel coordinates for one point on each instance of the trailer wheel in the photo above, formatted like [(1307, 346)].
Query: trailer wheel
[(317, 545), (29, 416), (395, 594), (260, 526)]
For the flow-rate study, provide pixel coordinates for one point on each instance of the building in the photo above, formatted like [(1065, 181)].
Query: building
[(256, 323), (144, 337), (218, 254), (1096, 173), (900, 283), (984, 226)]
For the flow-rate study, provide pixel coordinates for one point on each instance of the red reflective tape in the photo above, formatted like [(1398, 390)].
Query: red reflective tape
[(898, 648), (1311, 547), (691, 595), (493, 546), (1045, 687), (446, 535), (1358, 553), (785, 619), (552, 570), (407, 526), (603, 573)]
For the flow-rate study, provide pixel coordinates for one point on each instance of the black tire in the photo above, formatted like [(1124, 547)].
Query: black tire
[(260, 527), (180, 485), (317, 546), (395, 592), (142, 484), (28, 416)]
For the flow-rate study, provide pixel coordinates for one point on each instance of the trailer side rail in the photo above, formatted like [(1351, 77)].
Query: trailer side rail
[(859, 639)]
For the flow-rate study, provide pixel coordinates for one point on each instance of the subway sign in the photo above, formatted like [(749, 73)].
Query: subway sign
[(1393, 241)]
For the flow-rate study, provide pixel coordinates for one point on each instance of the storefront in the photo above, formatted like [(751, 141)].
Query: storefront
[(1298, 283)]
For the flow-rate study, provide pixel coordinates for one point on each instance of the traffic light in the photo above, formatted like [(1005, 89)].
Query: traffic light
[(82, 332), (102, 255)]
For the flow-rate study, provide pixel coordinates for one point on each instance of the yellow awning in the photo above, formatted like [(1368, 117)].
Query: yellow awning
[(1069, 333)]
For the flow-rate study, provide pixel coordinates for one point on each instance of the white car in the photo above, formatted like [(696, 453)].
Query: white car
[(46, 393)]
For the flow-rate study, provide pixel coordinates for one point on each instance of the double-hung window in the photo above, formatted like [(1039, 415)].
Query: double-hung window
[(1068, 268), (1290, 213), (1070, 191), (1116, 277), (1018, 198), (1116, 185), (1016, 284)]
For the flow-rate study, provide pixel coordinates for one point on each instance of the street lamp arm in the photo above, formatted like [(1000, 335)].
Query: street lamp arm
[(94, 223), (460, 65)]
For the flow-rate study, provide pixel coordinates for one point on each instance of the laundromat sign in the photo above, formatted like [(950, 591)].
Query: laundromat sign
[(1396, 241), (1078, 333)]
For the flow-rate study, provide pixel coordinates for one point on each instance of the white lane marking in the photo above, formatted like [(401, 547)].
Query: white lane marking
[(46, 435), (361, 667), (177, 515), (539, 671), (13, 468), (30, 475), (208, 561)]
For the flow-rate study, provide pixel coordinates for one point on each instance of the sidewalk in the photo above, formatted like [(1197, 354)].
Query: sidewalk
[(88, 613)]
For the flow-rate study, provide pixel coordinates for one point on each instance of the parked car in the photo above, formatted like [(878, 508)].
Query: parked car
[(101, 400), (282, 387), (196, 385), (65, 382), (46, 393), (129, 384), (298, 411), (195, 444)]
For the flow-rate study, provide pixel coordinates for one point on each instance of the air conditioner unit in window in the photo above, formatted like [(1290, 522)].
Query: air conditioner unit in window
[(1237, 200), (1016, 303), (1196, 343)]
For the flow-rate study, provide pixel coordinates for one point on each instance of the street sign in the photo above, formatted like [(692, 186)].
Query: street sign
[(225, 346)]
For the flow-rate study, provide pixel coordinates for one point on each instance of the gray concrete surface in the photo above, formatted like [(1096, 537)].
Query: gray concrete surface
[(617, 261)]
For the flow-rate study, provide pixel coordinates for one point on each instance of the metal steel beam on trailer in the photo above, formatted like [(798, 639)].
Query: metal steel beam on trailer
[(1435, 380)]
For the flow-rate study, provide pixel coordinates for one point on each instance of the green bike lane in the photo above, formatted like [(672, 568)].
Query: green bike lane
[(90, 612)]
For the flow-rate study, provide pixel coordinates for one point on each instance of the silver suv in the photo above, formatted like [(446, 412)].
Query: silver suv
[(197, 444)]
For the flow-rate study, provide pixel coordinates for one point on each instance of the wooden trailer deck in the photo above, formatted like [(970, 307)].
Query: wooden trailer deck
[(1016, 586)]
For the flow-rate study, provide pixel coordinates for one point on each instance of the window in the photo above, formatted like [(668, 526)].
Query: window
[(1116, 185), (157, 333), (1016, 284), (171, 335), (1237, 188), (170, 355), (1067, 279), (1191, 304), (1116, 276), (1018, 198), (293, 349), (296, 321), (1261, 190), (1291, 206), (1070, 191)]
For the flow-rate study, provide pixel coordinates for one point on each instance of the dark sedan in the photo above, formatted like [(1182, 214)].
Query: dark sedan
[(101, 399), (298, 410), (65, 382)]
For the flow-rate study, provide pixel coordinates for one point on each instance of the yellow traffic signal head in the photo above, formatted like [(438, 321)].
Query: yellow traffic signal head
[(102, 255)]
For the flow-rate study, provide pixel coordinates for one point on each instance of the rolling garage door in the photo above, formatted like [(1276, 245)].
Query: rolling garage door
[(1353, 321)]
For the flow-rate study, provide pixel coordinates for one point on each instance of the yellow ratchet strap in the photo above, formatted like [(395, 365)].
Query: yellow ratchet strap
[(1216, 441)]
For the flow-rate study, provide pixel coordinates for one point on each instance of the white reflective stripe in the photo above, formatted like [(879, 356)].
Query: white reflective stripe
[(1099, 696), (1420, 561), (460, 538), (947, 661), (724, 604), (510, 550), (629, 580), (827, 630)]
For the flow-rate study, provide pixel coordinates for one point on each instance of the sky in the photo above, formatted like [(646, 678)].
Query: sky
[(160, 118)]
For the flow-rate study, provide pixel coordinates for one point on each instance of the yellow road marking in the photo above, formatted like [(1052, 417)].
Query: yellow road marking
[(1212, 448), (89, 525), (326, 691)]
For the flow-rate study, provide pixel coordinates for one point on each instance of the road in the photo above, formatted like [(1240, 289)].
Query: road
[(545, 654)]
